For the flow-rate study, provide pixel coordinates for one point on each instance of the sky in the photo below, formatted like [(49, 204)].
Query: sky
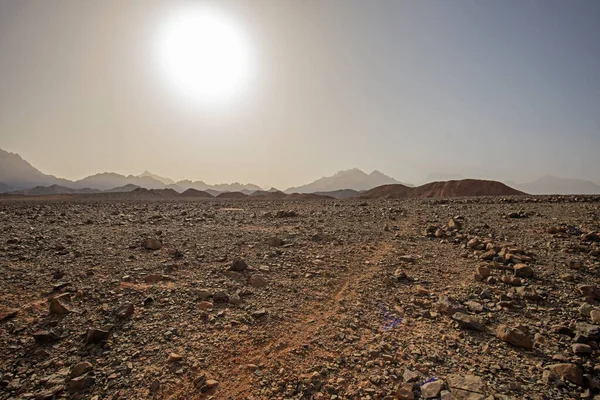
[(506, 90)]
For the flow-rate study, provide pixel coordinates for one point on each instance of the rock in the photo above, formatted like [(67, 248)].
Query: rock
[(80, 368), (257, 280), (484, 271), (488, 255), (205, 305), (259, 313), (575, 265), (595, 316), (468, 322), (580, 348), (221, 297), (96, 335), (238, 265), (410, 375), (203, 294), (58, 305), (211, 383), (528, 293), (155, 386), (567, 277), (151, 244), (81, 382), (405, 392), (174, 357), (523, 271), (455, 224), (469, 387), (431, 390), (474, 243), (448, 306), (43, 337), (588, 331), (570, 372), (125, 311), (236, 276), (235, 299), (274, 242), (153, 278), (474, 306), (585, 309), (591, 291), (511, 280), (514, 336)]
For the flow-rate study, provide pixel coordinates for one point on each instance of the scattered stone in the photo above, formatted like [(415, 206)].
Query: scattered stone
[(580, 348), (80, 369), (448, 306), (125, 311), (523, 271), (174, 357), (257, 280), (151, 244), (466, 321), (238, 265), (153, 278), (275, 242), (58, 306), (468, 387), (511, 280), (405, 392), (569, 372), (43, 337), (205, 305), (81, 382), (431, 390), (96, 335), (514, 336)]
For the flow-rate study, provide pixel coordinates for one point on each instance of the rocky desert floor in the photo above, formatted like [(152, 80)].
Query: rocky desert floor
[(468, 298)]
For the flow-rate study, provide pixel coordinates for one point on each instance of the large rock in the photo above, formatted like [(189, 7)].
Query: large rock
[(405, 392), (514, 336), (469, 322), (468, 387), (59, 305), (80, 368), (589, 291), (448, 306), (523, 271), (238, 265), (431, 390), (97, 335), (588, 331), (569, 372)]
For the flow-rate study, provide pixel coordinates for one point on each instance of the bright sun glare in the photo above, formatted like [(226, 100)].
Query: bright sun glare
[(204, 54)]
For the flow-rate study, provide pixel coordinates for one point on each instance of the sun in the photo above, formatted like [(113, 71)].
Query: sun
[(204, 54)]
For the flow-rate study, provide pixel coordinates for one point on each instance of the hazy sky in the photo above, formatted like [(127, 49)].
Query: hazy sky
[(505, 89)]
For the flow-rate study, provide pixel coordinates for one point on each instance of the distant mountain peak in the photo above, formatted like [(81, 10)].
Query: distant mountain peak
[(354, 179)]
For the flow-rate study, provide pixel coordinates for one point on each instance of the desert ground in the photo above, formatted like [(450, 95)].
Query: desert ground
[(466, 298)]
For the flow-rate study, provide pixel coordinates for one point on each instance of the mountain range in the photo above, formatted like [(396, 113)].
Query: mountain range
[(354, 179), (18, 175)]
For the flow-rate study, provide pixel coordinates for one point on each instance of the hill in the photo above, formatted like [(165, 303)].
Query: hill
[(461, 188), (554, 185), (232, 195), (196, 193), (354, 179), (53, 189)]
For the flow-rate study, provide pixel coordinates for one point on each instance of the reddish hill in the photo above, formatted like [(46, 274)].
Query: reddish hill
[(191, 192), (232, 195), (461, 188), (387, 192)]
